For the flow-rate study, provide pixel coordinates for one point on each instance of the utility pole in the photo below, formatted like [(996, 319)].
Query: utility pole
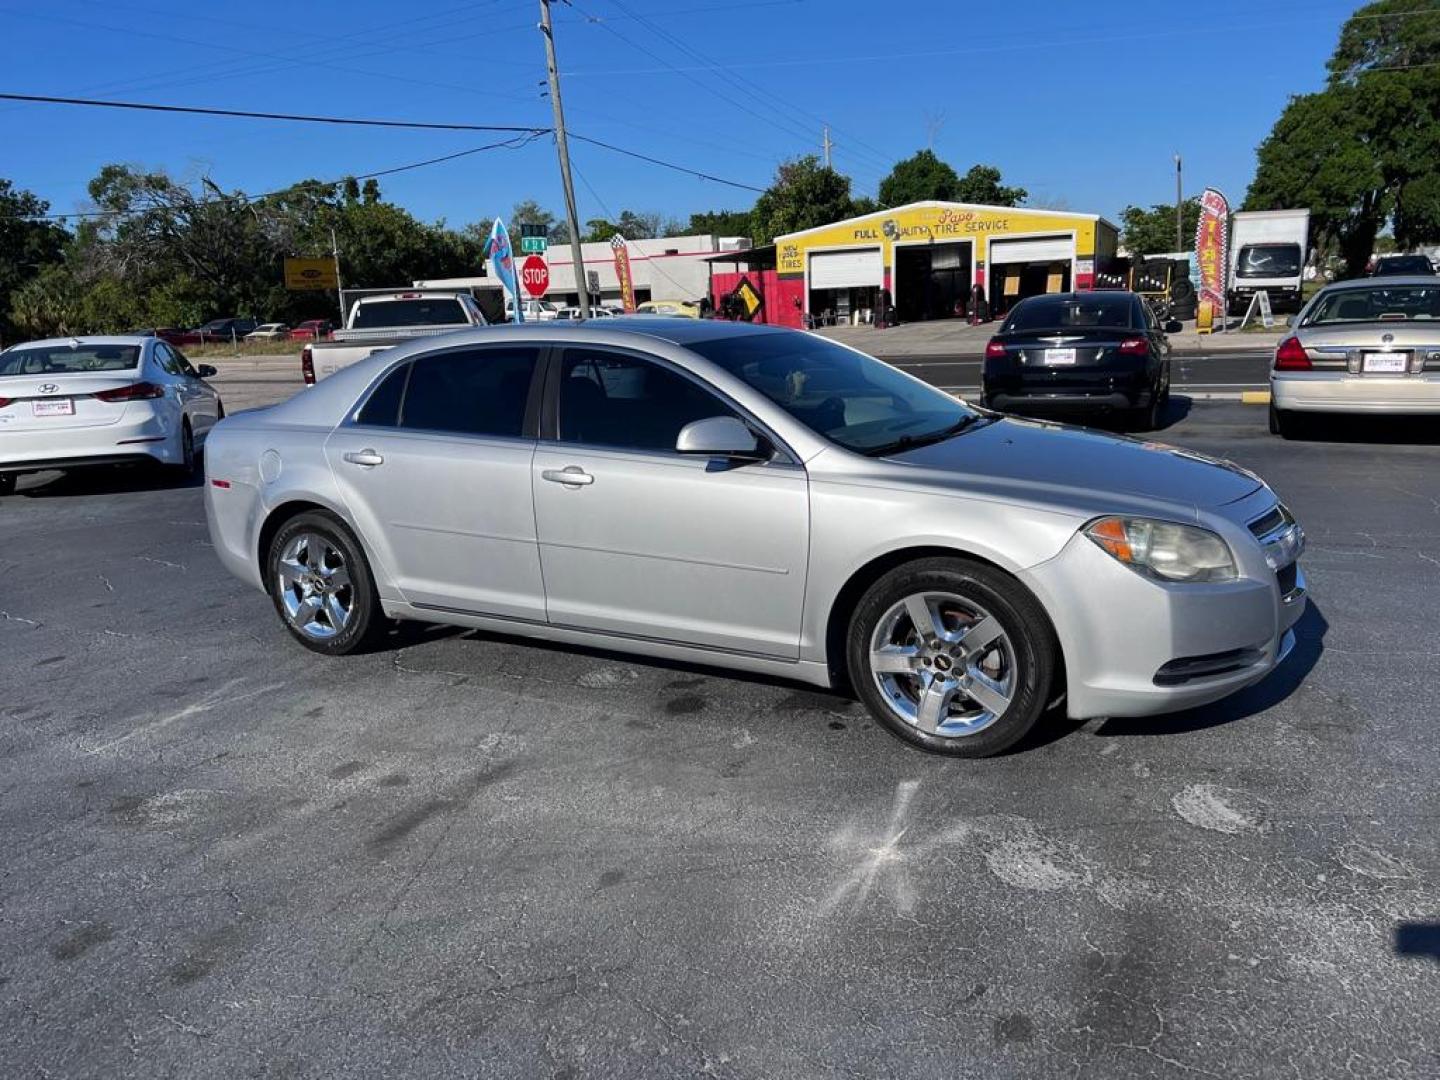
[(1179, 201), (582, 285), (826, 143), (339, 292)]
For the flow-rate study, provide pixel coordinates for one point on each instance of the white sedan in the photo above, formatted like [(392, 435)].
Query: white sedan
[(270, 331), (85, 401)]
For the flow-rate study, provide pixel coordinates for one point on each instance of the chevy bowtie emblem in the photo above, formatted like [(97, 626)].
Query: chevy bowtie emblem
[(49, 388)]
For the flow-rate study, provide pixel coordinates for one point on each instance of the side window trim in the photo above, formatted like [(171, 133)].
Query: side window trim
[(549, 431)]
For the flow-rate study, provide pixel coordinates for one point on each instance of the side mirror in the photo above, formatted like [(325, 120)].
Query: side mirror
[(722, 437), (1174, 326), (206, 370)]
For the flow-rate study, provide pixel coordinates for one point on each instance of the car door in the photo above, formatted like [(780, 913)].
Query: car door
[(434, 467), (637, 539), (199, 399)]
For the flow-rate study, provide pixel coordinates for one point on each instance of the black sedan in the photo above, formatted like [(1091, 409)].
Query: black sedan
[(1083, 353)]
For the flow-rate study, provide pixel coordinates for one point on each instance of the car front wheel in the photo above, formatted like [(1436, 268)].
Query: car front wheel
[(321, 585), (953, 656)]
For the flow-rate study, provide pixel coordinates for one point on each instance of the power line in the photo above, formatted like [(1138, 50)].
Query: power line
[(252, 115), (668, 164), (514, 143)]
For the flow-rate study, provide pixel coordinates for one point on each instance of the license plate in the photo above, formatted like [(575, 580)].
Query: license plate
[(63, 407), (1059, 356), (1384, 362)]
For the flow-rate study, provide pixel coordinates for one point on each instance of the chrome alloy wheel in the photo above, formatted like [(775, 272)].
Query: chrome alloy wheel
[(314, 586), (943, 664)]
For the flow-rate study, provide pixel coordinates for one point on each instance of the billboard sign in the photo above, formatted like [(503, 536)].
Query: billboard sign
[(301, 274)]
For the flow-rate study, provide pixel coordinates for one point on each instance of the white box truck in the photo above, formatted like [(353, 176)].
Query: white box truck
[(1267, 251)]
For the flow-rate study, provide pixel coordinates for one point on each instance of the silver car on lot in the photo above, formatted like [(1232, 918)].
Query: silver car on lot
[(80, 402), (1368, 346), (762, 500)]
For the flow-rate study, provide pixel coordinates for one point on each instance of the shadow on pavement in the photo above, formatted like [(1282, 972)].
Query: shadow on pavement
[(101, 480), (1276, 687), (1382, 430), (1420, 939)]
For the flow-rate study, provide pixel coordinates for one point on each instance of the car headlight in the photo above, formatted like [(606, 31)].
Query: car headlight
[(1165, 550)]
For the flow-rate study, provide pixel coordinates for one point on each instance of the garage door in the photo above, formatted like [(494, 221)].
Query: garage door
[(846, 269), (1040, 249)]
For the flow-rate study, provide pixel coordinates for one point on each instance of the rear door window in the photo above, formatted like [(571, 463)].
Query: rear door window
[(470, 391), (382, 408)]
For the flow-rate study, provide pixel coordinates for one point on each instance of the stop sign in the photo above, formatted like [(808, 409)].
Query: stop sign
[(535, 275)]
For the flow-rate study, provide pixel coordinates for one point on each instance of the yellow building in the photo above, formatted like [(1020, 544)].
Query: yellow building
[(931, 255)]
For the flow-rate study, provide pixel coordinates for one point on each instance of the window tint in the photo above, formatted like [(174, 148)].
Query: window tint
[(611, 399), (470, 391), (432, 311), (383, 407), (166, 359), (1051, 313), (58, 359)]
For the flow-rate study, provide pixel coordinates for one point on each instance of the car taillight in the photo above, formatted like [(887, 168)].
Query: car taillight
[(1134, 347), (139, 391), (1291, 356), (307, 366), (995, 350), (5, 401)]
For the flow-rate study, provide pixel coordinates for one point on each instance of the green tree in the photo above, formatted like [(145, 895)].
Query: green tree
[(918, 178), (530, 211), (28, 245), (1148, 232), (1361, 151), (981, 185), (805, 194), (719, 223)]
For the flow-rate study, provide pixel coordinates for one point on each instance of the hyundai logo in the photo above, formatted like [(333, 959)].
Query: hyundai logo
[(49, 388), (1387, 338)]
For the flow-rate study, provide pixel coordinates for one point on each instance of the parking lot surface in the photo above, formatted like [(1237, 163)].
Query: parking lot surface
[(472, 856)]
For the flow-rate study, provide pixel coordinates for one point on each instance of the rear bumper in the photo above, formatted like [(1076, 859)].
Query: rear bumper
[(1341, 392), (148, 437), (1072, 400)]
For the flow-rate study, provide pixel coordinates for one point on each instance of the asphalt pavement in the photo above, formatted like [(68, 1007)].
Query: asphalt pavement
[(471, 856)]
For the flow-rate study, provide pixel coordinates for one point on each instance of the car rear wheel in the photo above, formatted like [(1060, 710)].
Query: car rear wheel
[(1286, 424), (7, 483), (185, 468), (322, 587), (952, 656)]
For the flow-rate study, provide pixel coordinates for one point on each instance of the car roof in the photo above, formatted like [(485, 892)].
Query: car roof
[(1074, 296), (87, 339)]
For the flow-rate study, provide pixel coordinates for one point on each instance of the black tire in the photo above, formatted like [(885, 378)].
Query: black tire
[(7, 483), (1182, 291), (1148, 417), (367, 622), (1286, 424), (189, 460), (1033, 649)]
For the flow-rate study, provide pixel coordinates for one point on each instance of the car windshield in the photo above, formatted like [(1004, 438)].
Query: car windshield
[(59, 359), (843, 395), (421, 311), (1068, 312), (1379, 303), (1268, 260)]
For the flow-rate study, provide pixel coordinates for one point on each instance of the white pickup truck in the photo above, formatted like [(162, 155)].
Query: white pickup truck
[(379, 320)]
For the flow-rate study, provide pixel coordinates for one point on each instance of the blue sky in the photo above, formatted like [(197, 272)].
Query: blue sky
[(1083, 104)]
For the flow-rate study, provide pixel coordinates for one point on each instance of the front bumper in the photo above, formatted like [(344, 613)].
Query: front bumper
[(1137, 647), (1342, 392)]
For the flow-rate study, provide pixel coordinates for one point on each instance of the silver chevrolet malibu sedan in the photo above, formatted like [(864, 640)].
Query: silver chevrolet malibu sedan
[(761, 500)]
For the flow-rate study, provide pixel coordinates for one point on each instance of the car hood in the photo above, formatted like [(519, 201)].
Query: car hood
[(1077, 465)]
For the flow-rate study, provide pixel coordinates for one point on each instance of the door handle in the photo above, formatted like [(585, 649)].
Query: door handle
[(570, 476), (364, 457)]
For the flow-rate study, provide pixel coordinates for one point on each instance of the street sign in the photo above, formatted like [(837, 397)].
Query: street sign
[(310, 274), (534, 245), (592, 279), (535, 275)]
